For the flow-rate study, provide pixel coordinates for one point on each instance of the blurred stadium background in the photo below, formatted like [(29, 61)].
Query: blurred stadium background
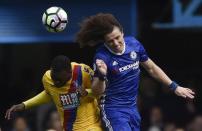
[(170, 30)]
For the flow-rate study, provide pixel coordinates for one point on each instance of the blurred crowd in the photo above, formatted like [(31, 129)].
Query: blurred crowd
[(162, 110)]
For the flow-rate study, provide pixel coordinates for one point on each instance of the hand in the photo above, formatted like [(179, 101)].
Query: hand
[(14, 108), (102, 67), (184, 92), (82, 91)]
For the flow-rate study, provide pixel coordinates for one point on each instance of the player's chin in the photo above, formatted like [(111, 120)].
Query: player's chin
[(117, 49)]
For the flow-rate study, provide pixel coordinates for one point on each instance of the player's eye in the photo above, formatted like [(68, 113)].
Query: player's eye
[(117, 37)]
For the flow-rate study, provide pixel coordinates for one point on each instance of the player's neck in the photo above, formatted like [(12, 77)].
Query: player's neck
[(116, 53)]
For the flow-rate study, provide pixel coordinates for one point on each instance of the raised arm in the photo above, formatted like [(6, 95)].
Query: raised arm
[(99, 83), (157, 73)]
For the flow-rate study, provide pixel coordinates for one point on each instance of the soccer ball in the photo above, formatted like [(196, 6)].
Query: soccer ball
[(55, 19)]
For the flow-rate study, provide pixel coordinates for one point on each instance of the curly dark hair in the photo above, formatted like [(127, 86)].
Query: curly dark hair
[(94, 28)]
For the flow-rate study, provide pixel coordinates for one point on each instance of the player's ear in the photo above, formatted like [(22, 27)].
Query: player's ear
[(121, 29), (122, 33)]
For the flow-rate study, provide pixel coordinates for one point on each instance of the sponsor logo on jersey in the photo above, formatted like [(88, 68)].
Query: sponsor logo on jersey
[(70, 100), (115, 63), (133, 55), (133, 66)]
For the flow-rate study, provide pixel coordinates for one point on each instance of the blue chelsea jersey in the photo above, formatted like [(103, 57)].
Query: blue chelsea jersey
[(122, 73)]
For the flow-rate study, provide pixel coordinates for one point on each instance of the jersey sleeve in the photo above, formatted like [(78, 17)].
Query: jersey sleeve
[(39, 99), (46, 84), (143, 54)]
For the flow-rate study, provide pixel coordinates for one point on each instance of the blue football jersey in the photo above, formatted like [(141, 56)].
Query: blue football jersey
[(122, 73)]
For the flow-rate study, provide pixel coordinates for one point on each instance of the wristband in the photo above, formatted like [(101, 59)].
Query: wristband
[(100, 76), (173, 85)]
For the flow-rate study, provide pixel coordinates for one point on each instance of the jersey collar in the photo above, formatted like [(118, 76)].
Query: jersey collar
[(124, 48)]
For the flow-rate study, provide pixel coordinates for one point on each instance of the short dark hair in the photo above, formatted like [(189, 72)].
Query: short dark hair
[(60, 63), (94, 28)]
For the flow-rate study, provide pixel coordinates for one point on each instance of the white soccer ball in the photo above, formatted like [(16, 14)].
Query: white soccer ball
[(55, 19)]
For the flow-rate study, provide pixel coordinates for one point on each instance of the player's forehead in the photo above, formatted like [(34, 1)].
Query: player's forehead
[(60, 74), (115, 32)]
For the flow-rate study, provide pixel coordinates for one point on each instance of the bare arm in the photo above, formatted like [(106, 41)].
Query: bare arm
[(157, 73), (98, 86)]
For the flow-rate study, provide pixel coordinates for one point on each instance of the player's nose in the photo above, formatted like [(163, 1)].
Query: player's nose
[(115, 43)]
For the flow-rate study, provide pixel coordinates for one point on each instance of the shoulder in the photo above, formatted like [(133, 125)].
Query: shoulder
[(84, 68), (73, 64), (132, 42), (47, 78), (46, 75), (102, 53), (82, 65), (86, 71)]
